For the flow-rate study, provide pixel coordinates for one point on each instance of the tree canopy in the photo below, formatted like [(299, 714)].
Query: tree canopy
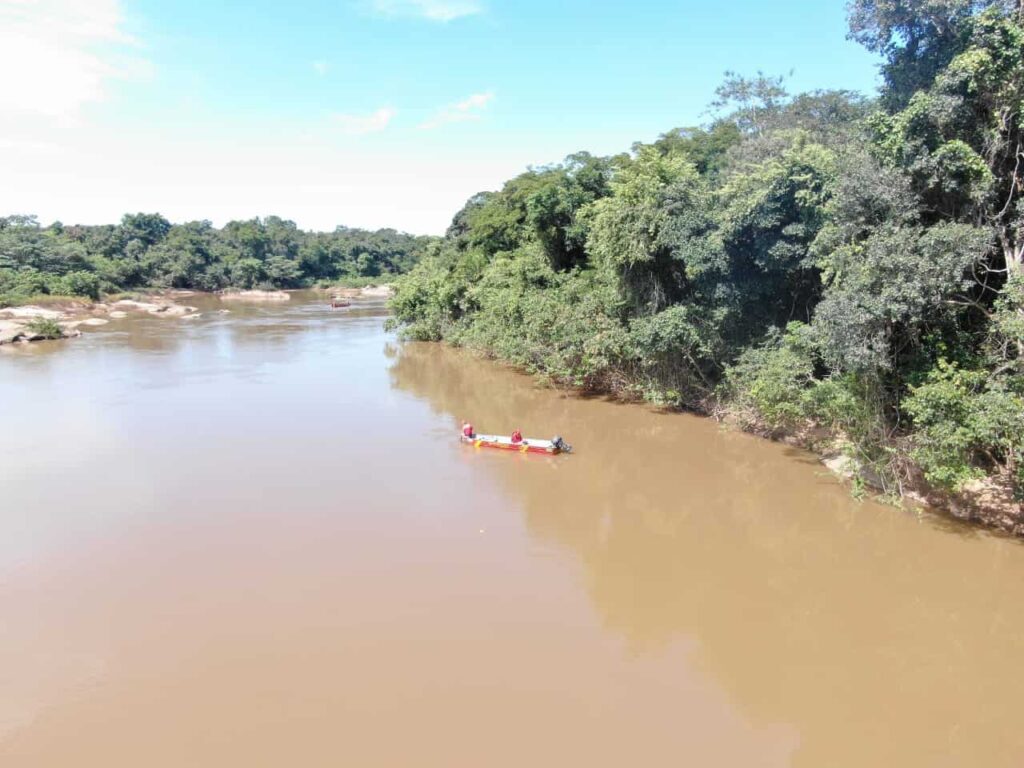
[(147, 251), (811, 259)]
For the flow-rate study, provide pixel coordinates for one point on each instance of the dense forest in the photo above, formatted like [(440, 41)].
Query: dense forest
[(811, 264), (147, 251)]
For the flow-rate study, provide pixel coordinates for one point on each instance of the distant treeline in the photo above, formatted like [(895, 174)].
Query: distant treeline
[(147, 251), (811, 263)]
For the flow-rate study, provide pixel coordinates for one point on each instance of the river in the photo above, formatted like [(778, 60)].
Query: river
[(251, 539)]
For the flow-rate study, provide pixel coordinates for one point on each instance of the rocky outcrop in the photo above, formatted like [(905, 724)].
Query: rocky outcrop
[(255, 296), (157, 307), (15, 321), (369, 292), (32, 312), (12, 331)]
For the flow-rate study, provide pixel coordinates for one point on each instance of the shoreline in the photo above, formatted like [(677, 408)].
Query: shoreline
[(985, 504), (70, 313)]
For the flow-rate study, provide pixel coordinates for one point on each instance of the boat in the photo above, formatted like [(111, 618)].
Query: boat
[(551, 447), (340, 303)]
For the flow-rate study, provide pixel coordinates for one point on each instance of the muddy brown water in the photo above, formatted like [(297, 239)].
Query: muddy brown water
[(251, 540)]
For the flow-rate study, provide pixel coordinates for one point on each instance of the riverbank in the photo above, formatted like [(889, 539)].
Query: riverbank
[(17, 323), (385, 291), (986, 502), (626, 576)]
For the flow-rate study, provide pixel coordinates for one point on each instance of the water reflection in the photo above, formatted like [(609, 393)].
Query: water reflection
[(228, 550), (884, 639)]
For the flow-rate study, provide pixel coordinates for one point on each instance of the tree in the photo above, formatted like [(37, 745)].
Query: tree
[(147, 228), (554, 210), (635, 233), (917, 37), (750, 102)]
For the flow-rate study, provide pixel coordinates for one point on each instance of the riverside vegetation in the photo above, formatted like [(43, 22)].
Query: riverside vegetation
[(146, 251), (844, 270)]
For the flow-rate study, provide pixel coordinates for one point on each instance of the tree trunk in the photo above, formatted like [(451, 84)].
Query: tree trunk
[(1013, 253)]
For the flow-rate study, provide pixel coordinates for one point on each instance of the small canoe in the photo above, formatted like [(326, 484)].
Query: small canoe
[(340, 303), (550, 447)]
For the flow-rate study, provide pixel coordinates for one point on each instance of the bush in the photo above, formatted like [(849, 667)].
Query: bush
[(674, 353), (966, 421), (77, 284), (45, 327), (771, 384)]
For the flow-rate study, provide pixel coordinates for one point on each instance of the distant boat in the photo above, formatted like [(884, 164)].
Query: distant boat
[(340, 303), (551, 447)]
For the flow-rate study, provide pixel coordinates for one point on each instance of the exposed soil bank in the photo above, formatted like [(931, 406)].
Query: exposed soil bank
[(988, 502)]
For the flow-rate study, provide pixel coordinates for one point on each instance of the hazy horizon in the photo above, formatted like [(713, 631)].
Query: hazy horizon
[(375, 114)]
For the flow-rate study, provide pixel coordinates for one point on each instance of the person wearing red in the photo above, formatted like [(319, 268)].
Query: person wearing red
[(468, 431), (517, 437)]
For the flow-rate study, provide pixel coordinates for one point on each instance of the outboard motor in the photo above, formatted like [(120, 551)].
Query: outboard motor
[(560, 444)]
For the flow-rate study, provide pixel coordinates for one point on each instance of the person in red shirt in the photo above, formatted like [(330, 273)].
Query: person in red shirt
[(468, 431), (517, 437)]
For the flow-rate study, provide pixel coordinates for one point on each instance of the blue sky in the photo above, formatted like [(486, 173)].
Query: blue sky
[(364, 112)]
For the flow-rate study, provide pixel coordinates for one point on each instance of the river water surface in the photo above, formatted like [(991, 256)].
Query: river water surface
[(251, 540)]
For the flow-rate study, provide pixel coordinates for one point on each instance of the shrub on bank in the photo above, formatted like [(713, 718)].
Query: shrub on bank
[(966, 422), (45, 328)]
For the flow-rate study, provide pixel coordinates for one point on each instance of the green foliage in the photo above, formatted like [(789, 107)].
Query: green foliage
[(884, 238), (675, 354), (751, 103), (965, 421), (558, 325), (1006, 334), (706, 149), (45, 328), (356, 281), (80, 283), (680, 264), (146, 250), (430, 298), (772, 215), (917, 37), (638, 232), (885, 291), (554, 211), (771, 384)]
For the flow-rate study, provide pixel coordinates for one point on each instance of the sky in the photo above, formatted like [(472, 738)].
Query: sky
[(364, 113)]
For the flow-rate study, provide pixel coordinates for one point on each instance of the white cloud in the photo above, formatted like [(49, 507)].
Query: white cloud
[(461, 112), (321, 67), (319, 183), (435, 10), (59, 55), (359, 125)]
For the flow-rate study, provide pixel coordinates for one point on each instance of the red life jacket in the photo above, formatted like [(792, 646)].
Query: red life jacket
[(517, 436), (468, 430)]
